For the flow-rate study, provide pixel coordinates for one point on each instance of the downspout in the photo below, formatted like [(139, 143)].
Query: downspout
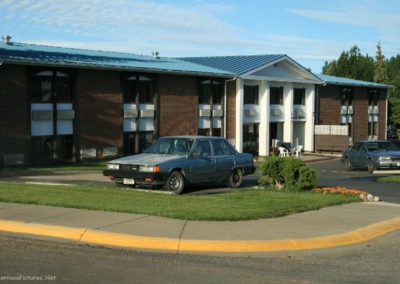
[(225, 104)]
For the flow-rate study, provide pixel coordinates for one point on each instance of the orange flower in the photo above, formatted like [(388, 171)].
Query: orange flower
[(338, 190)]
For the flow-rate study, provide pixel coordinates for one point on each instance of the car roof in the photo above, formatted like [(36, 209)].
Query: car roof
[(193, 137)]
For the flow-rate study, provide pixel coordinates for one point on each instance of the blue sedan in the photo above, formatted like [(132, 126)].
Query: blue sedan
[(171, 162), (373, 155)]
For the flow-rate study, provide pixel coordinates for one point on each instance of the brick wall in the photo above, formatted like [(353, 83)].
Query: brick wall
[(14, 115), (329, 105), (231, 111), (360, 117), (98, 107), (178, 105)]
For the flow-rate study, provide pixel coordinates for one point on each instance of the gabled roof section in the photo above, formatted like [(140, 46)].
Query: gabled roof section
[(278, 67), (333, 80), (19, 53), (238, 65)]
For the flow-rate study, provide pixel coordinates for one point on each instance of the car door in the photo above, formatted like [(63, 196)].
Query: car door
[(202, 163), (224, 158), (362, 156)]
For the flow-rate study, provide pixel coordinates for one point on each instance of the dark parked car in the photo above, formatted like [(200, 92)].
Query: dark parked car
[(373, 155), (391, 134), (396, 142), (171, 162)]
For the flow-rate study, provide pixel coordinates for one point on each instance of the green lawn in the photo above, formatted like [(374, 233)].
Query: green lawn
[(395, 178), (245, 204)]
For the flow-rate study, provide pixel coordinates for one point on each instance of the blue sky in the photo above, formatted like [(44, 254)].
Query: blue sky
[(311, 32)]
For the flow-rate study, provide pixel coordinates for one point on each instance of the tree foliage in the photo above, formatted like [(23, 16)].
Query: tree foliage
[(290, 174), (352, 64)]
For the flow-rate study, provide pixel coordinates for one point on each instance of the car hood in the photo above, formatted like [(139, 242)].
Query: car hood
[(145, 159)]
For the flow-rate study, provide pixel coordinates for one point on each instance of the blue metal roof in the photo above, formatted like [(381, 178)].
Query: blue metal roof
[(13, 52), (328, 79), (238, 65)]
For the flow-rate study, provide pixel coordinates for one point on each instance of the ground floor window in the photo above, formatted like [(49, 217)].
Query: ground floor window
[(373, 127), (49, 149), (250, 138), (137, 142), (209, 132)]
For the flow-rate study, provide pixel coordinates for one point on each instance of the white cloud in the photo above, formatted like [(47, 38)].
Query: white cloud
[(385, 22)]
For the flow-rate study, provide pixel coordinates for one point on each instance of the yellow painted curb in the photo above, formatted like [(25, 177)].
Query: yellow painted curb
[(230, 246), (42, 230)]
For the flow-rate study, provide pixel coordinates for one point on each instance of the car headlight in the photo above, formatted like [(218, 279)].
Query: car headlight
[(113, 166), (381, 159), (149, 169)]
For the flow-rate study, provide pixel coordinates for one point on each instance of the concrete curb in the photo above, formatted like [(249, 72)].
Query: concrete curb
[(201, 246)]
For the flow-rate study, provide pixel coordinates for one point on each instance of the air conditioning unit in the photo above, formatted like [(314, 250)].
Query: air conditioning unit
[(65, 114), (204, 113), (130, 113), (250, 112), (350, 110), (276, 112), (42, 115), (370, 109), (299, 113), (218, 113), (146, 113), (343, 110), (375, 110)]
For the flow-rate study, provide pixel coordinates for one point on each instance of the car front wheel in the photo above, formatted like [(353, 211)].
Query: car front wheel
[(236, 178), (371, 166), (349, 165), (175, 182)]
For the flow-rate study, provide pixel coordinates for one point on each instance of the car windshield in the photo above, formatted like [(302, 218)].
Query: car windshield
[(381, 147), (171, 146)]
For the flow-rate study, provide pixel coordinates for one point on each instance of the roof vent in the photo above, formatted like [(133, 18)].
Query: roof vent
[(155, 54), (6, 38)]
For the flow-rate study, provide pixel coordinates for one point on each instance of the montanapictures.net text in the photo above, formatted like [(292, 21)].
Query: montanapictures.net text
[(28, 278)]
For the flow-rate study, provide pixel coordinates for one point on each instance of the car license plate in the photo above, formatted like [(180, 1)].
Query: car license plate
[(129, 181)]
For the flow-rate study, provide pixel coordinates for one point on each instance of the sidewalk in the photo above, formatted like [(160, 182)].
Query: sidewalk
[(328, 227)]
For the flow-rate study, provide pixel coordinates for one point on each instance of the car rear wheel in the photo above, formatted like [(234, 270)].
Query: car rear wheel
[(349, 165), (236, 178), (175, 182), (371, 166)]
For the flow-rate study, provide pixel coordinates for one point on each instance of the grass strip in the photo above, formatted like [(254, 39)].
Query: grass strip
[(244, 204), (395, 178)]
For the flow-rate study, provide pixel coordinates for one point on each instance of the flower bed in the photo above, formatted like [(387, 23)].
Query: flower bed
[(339, 190)]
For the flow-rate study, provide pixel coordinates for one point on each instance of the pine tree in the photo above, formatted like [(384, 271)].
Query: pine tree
[(380, 68)]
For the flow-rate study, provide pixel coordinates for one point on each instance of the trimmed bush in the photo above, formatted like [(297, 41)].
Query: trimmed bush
[(287, 173)]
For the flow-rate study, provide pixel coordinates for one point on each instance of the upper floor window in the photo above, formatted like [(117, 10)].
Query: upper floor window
[(139, 89), (346, 96), (49, 86), (373, 97), (211, 92), (299, 96), (276, 95), (251, 95)]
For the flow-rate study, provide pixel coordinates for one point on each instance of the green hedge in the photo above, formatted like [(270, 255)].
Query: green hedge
[(287, 173)]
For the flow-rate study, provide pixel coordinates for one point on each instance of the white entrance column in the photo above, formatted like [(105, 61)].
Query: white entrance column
[(239, 114), (288, 110), (263, 139), (310, 119)]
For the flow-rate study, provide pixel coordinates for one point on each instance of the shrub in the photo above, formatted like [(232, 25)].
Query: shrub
[(288, 173)]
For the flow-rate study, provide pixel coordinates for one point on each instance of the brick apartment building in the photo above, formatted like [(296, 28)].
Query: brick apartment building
[(66, 105), (348, 111)]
